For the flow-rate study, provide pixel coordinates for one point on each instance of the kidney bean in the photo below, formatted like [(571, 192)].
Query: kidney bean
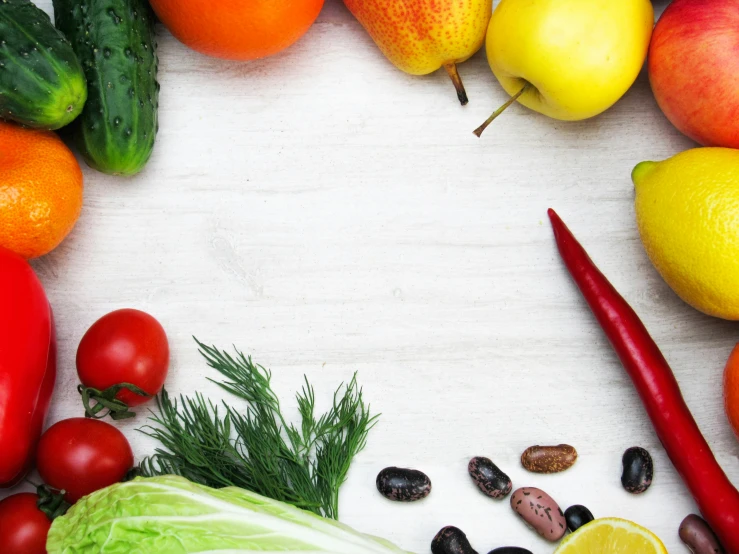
[(403, 485), (638, 470), (540, 511), (489, 478), (698, 536), (510, 550), (549, 459)]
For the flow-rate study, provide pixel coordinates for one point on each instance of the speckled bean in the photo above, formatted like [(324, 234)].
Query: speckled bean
[(451, 540), (577, 516), (403, 485), (698, 536), (540, 511), (549, 459), (510, 550), (489, 478), (638, 470)]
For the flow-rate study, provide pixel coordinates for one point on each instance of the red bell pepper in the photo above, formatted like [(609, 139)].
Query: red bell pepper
[(653, 379), (27, 365)]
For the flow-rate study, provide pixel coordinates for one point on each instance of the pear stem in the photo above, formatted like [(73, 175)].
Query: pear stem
[(500, 110), (451, 68)]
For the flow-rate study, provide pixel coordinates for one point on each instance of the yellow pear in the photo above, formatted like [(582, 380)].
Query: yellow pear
[(421, 36), (568, 59)]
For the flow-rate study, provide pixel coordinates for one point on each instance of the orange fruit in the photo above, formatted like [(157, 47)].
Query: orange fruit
[(731, 389), (40, 190), (237, 29)]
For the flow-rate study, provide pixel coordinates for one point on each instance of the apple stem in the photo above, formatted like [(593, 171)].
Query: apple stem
[(500, 110), (451, 68)]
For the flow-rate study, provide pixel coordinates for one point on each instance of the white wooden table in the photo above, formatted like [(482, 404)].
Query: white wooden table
[(328, 213)]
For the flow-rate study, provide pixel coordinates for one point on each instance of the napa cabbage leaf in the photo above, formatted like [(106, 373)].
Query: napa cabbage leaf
[(171, 515)]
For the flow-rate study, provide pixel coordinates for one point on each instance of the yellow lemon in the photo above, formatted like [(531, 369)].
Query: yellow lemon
[(687, 209), (612, 535)]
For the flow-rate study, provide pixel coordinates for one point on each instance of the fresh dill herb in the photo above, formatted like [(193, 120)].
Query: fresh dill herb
[(256, 448)]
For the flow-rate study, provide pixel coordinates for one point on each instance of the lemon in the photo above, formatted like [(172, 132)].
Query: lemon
[(687, 209), (611, 535)]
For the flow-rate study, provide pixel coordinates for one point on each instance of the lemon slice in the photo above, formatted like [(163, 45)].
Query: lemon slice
[(611, 535)]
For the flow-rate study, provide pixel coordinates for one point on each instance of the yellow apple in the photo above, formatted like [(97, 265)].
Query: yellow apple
[(575, 58)]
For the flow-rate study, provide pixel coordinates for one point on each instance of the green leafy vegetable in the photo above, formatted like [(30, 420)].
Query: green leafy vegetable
[(170, 515), (257, 449)]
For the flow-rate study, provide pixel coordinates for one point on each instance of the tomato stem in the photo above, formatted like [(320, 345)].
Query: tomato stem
[(51, 501), (106, 400)]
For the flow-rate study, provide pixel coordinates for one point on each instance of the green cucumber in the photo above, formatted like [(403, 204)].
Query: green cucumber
[(41, 81), (114, 40)]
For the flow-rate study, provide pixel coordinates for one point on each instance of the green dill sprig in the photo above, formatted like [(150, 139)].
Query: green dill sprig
[(256, 448)]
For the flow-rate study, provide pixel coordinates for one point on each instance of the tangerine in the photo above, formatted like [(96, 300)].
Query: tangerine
[(40, 190), (731, 389), (237, 29)]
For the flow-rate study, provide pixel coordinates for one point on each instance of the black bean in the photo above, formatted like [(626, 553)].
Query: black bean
[(577, 516), (489, 478), (510, 550), (638, 470), (451, 540), (403, 485)]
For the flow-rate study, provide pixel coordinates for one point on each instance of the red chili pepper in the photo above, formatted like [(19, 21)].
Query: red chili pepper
[(27, 365), (716, 497)]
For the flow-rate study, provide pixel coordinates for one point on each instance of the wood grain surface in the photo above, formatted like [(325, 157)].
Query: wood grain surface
[(327, 214)]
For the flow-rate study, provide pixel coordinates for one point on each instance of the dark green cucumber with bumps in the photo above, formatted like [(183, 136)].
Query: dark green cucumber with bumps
[(114, 40), (41, 81)]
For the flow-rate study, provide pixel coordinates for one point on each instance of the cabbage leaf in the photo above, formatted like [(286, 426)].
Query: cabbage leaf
[(171, 515)]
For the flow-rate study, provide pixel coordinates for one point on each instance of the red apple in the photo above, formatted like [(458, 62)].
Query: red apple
[(694, 69)]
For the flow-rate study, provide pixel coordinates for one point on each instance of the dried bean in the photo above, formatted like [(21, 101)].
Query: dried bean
[(549, 459), (540, 511), (489, 478), (510, 550), (403, 485), (638, 470), (451, 540), (577, 516), (698, 536)]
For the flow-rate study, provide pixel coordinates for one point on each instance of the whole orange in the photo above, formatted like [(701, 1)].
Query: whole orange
[(731, 389), (40, 190), (238, 29)]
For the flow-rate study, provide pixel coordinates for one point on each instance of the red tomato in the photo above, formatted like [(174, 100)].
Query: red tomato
[(82, 455), (124, 346), (23, 527)]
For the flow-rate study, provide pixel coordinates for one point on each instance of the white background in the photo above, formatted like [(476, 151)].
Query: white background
[(329, 214)]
